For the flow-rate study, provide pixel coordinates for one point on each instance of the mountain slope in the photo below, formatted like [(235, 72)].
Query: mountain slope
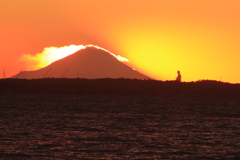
[(88, 63)]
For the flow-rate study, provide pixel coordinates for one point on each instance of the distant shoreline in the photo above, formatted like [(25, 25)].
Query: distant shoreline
[(120, 86)]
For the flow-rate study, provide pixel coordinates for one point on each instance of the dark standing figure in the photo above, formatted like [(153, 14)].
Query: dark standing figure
[(178, 78)]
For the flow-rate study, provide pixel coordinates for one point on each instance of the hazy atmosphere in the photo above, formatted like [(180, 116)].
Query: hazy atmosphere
[(200, 38)]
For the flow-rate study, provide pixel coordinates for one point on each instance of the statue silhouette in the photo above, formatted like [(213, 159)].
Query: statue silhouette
[(178, 78)]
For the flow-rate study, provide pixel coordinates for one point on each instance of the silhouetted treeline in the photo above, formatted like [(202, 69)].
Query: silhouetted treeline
[(120, 86)]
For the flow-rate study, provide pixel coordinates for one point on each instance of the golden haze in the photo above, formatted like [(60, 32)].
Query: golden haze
[(200, 38)]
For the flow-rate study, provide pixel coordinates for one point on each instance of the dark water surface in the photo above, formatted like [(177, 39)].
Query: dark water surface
[(71, 126)]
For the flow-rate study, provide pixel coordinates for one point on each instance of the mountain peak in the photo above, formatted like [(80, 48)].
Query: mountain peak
[(90, 63)]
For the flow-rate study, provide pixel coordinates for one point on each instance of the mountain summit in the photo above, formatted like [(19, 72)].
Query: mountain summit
[(88, 63)]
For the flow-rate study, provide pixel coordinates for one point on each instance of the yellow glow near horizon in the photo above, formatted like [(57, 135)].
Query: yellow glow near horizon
[(198, 51), (199, 38), (51, 54)]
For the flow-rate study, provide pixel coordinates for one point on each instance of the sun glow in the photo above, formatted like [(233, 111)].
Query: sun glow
[(198, 51), (118, 57), (52, 54)]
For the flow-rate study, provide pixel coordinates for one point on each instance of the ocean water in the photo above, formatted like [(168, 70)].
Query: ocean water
[(72, 126)]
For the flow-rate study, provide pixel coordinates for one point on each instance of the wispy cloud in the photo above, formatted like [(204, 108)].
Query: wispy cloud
[(51, 54)]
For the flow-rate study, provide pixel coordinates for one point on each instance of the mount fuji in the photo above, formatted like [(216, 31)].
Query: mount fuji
[(90, 63)]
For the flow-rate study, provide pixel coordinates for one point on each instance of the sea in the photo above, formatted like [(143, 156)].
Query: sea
[(94, 126)]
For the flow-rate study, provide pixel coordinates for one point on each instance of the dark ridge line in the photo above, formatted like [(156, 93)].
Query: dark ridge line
[(121, 86)]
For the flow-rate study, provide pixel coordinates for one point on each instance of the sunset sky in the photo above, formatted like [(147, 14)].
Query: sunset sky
[(158, 37)]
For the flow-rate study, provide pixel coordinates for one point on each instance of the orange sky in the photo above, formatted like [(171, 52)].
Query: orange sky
[(200, 38)]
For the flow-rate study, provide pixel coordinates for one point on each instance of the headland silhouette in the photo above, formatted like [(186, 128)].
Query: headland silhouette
[(120, 86)]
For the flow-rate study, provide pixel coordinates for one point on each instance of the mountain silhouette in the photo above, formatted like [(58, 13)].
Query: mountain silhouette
[(91, 63)]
